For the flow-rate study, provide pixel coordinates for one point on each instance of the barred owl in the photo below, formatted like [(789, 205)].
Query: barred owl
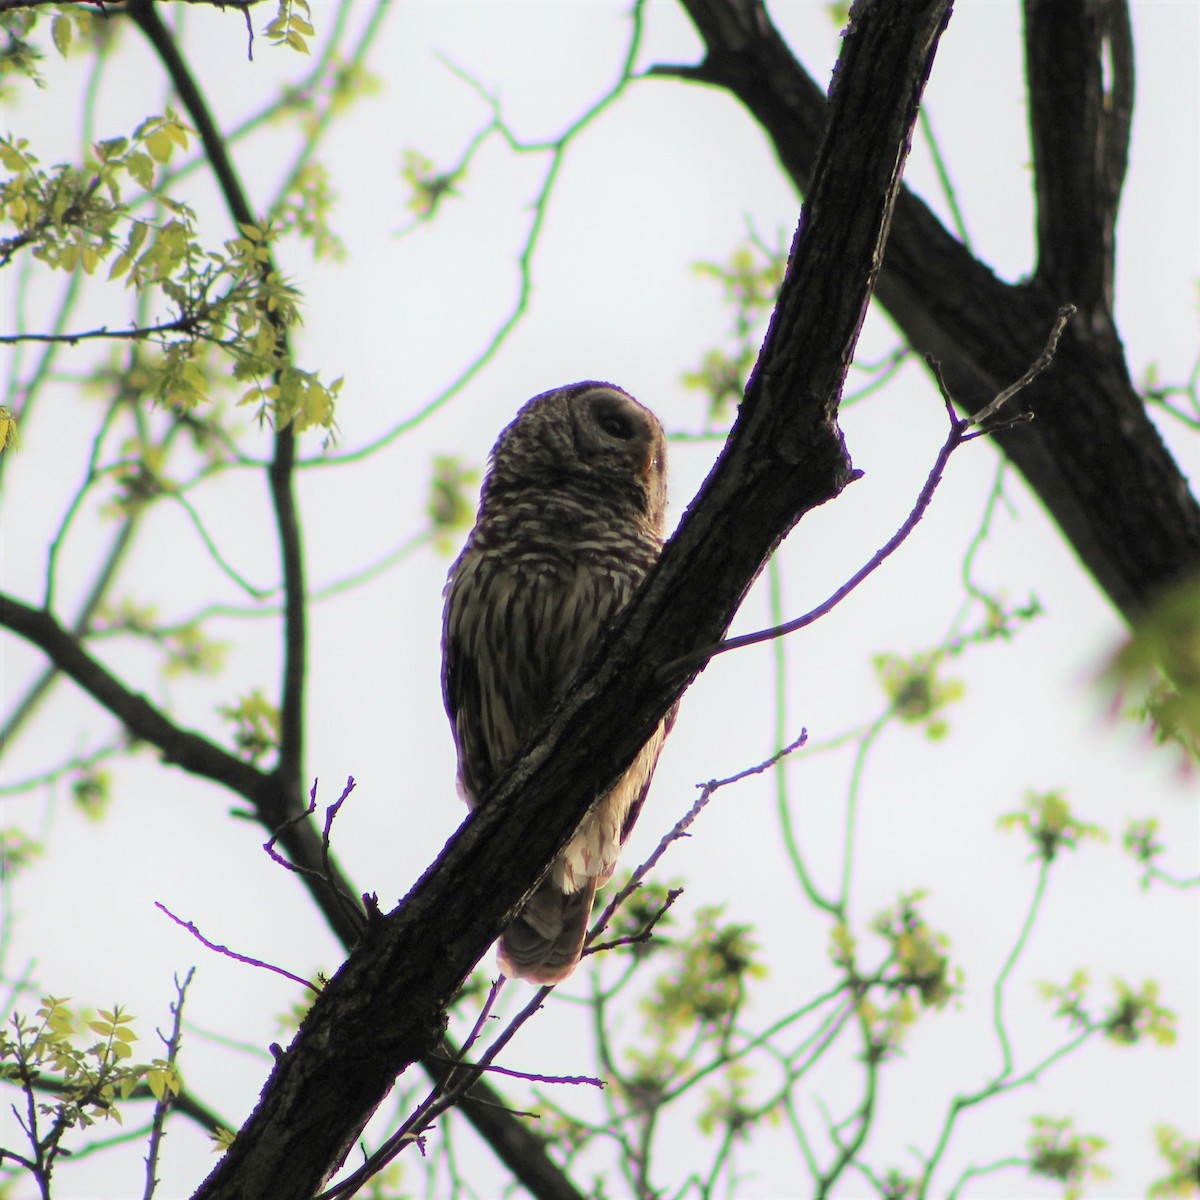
[(570, 520)]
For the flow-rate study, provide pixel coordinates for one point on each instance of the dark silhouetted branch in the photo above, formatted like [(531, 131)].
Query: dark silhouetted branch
[(385, 1008)]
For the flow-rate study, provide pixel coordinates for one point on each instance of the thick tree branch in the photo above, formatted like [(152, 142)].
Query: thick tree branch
[(385, 1007), (181, 747), (191, 751), (519, 1149), (516, 1146), (1079, 64), (1092, 456)]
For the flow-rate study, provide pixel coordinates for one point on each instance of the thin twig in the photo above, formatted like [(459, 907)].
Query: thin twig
[(1042, 361), (645, 933), (530, 1075), (326, 874), (484, 1013), (163, 1106), (960, 432), (188, 323), (225, 950)]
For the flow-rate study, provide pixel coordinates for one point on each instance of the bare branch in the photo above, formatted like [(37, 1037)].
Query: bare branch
[(164, 1105), (1079, 63), (1043, 360), (227, 953), (958, 434), (1095, 459), (383, 1008), (191, 751), (188, 323)]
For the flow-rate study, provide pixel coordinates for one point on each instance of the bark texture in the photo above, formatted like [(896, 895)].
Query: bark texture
[(1092, 454), (384, 1008)]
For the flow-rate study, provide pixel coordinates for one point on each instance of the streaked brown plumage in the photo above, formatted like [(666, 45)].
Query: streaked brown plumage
[(570, 520)]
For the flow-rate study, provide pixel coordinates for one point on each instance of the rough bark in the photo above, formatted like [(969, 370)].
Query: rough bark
[(1092, 454), (385, 1006), (273, 804)]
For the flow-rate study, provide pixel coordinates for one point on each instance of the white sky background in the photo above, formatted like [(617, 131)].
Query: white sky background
[(668, 176)]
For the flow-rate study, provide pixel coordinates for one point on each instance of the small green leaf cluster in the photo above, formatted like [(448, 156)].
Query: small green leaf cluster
[(451, 493), (139, 479), (1133, 1014), (189, 650), (1057, 1153), (17, 851), (222, 1140), (839, 12), (306, 207), (19, 56), (1142, 844), (707, 985), (1141, 841), (895, 1185), (71, 1081), (915, 692), (74, 218), (1158, 669), (91, 789), (68, 21), (429, 187), (1138, 1014), (696, 1000), (8, 429), (291, 25), (256, 725), (1048, 822), (1182, 1157), (750, 281), (261, 304), (68, 214), (916, 974)]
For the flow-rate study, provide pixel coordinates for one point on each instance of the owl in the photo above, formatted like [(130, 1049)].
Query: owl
[(570, 521)]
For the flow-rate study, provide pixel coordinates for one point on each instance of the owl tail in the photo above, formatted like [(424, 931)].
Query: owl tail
[(545, 939)]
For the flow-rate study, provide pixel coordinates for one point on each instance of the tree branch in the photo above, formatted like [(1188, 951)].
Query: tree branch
[(187, 323), (276, 797), (517, 1147), (181, 747), (1080, 124), (145, 15), (785, 455), (1093, 456)]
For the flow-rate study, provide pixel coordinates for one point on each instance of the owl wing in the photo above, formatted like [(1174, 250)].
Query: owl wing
[(516, 631), (668, 723)]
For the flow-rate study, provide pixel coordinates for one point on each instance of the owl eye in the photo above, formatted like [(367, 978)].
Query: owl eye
[(618, 425)]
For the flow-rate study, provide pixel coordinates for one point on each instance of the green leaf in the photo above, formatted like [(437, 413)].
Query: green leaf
[(161, 145), (60, 30), (111, 148), (12, 159), (141, 167), (8, 429)]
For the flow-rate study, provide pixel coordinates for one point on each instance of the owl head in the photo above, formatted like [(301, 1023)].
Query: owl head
[(588, 438)]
